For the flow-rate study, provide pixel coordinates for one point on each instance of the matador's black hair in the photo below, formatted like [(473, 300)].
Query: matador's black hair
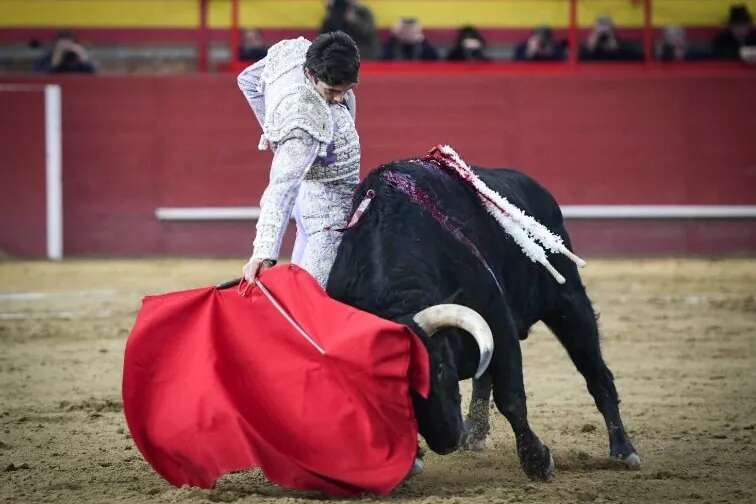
[(334, 58)]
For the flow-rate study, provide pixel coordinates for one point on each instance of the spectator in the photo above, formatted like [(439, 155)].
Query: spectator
[(357, 21), (470, 46), (252, 47), (673, 44), (604, 45), (739, 33), (408, 43), (541, 46), (66, 56)]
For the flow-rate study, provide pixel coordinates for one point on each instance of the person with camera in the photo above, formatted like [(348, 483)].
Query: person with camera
[(408, 43), (66, 56), (357, 21), (738, 40), (252, 47), (603, 44), (541, 46), (470, 46)]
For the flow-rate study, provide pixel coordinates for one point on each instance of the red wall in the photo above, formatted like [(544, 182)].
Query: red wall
[(22, 171), (600, 135)]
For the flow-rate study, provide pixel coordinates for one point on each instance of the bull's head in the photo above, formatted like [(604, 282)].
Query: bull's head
[(439, 416)]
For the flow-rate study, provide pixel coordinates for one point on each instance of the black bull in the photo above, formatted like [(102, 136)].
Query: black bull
[(402, 256)]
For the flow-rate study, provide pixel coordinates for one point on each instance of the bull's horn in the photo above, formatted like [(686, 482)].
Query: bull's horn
[(439, 316)]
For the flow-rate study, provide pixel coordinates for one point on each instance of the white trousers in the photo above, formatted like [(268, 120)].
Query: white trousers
[(321, 211)]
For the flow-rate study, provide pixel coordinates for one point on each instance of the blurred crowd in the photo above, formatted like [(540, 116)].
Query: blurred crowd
[(407, 41), (65, 55)]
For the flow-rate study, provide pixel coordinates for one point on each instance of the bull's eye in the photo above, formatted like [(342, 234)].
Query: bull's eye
[(441, 373)]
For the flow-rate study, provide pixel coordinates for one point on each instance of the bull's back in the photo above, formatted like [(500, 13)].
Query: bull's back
[(426, 235), (459, 201)]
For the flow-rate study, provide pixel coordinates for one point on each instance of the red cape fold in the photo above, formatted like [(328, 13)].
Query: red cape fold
[(215, 382)]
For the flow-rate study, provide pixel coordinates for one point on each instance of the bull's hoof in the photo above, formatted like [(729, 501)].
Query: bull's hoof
[(477, 426), (550, 471), (474, 438), (538, 464), (625, 456), (632, 461), (418, 466), (473, 444)]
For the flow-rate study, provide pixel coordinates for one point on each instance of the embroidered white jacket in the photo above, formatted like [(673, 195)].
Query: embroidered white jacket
[(311, 139)]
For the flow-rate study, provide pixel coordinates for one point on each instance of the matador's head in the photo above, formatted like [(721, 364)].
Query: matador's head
[(332, 65)]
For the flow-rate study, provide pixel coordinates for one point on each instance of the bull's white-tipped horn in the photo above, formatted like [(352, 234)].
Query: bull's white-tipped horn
[(439, 316)]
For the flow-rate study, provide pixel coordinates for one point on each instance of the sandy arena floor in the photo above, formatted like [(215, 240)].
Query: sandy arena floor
[(680, 336)]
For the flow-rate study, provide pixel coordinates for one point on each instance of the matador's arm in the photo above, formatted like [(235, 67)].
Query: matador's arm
[(249, 83), (292, 159)]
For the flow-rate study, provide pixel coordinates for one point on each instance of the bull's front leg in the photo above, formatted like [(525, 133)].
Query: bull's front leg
[(477, 422), (509, 396)]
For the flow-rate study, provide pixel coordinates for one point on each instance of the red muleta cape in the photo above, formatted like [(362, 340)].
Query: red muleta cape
[(215, 382)]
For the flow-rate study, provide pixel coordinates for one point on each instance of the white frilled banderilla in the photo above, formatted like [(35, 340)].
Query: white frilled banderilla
[(524, 229)]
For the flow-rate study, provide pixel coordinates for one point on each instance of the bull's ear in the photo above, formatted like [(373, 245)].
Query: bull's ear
[(408, 321), (420, 361), (453, 298)]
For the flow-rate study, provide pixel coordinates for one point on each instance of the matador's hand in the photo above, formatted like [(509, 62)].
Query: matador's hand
[(254, 267)]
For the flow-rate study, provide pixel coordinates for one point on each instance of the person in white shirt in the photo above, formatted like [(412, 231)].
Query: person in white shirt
[(301, 94)]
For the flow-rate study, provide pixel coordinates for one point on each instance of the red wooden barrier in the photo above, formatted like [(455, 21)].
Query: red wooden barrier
[(600, 135), (22, 171)]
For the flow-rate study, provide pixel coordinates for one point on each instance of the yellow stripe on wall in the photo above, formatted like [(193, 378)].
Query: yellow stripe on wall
[(623, 12), (696, 12), (99, 13), (308, 14), (663, 12), (485, 13), (432, 13)]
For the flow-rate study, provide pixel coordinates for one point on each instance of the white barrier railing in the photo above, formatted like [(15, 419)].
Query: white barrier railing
[(53, 161), (569, 212)]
